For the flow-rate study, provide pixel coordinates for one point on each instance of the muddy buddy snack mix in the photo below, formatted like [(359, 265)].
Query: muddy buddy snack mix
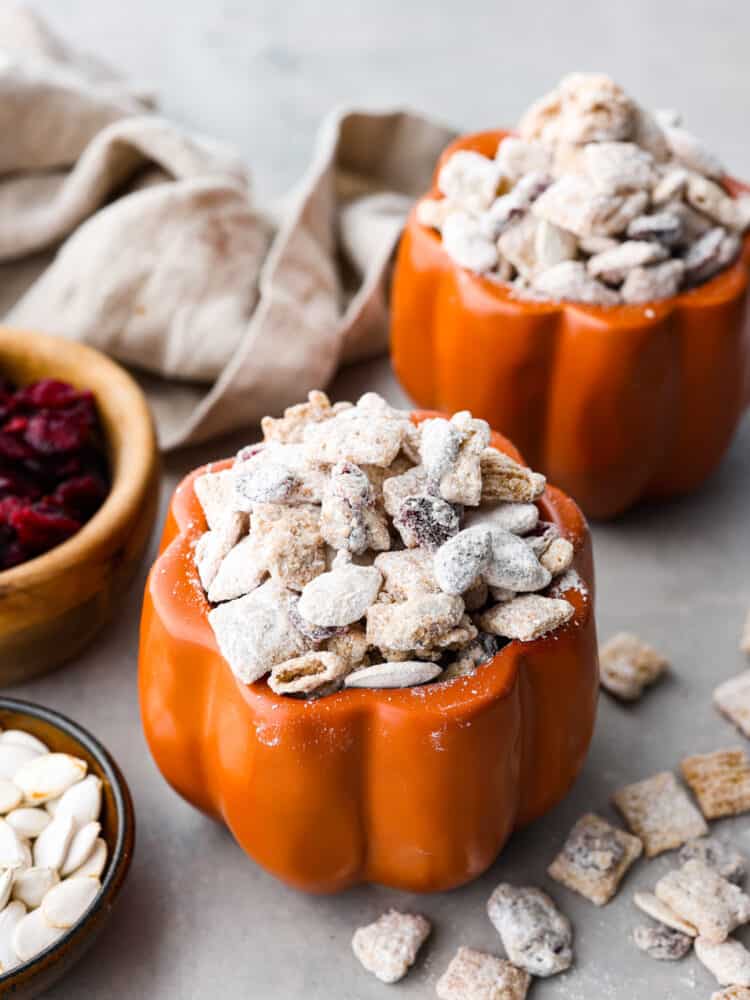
[(354, 548), (595, 200)]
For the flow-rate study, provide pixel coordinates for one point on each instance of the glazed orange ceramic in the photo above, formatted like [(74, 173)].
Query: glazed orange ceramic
[(613, 404), (418, 789)]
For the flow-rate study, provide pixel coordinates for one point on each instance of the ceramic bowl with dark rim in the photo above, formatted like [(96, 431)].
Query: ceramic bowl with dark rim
[(118, 831), (54, 604)]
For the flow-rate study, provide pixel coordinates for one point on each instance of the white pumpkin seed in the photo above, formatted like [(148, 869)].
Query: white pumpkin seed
[(46, 777), (12, 853), (53, 805), (6, 885), (81, 847), (32, 934), (13, 756), (52, 844), (32, 885), (28, 821), (94, 864), (10, 917), (66, 903), (83, 801), (10, 795), (22, 739)]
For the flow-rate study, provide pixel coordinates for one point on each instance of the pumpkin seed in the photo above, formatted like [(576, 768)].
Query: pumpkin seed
[(12, 853), (13, 756), (53, 842), (81, 847), (83, 801), (66, 903), (33, 934), (33, 884), (47, 776), (10, 917), (94, 864), (10, 795), (21, 739), (28, 822), (6, 884)]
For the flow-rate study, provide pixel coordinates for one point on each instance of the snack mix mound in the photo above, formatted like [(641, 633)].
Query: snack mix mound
[(53, 470), (596, 200), (355, 548)]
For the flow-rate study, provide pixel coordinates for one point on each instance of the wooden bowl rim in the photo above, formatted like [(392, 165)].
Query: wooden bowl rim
[(130, 477), (122, 852)]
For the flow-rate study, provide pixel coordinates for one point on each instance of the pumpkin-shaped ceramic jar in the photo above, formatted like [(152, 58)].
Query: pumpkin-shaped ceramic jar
[(418, 788), (614, 404)]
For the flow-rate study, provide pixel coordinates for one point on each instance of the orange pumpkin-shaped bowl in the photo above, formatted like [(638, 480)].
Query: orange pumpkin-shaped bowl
[(615, 404), (417, 789)]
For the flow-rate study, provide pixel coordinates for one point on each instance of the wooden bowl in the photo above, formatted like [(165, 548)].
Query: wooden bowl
[(52, 606), (118, 830)]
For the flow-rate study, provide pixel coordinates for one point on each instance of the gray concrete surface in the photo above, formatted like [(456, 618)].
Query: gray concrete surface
[(197, 918)]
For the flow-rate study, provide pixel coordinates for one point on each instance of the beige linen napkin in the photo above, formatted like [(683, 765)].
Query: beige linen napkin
[(124, 230)]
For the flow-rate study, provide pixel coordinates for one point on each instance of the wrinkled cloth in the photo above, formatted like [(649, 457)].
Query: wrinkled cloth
[(125, 231)]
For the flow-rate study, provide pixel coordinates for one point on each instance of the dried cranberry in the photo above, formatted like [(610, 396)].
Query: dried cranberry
[(50, 394), (13, 448), (16, 485), (80, 496), (52, 433), (40, 529)]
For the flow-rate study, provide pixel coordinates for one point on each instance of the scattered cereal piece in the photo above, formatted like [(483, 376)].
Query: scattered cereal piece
[(341, 596), (215, 492), (726, 860), (732, 698), (650, 284), (536, 936), (527, 617), (290, 427), (475, 975), (421, 621), (307, 673), (595, 858), (558, 556), (654, 907), (728, 960), (618, 166), (407, 573), (388, 948), (504, 479), (627, 665), (662, 943), (349, 517), (706, 900), (255, 632), (516, 517), (470, 179), (570, 280), (426, 521), (289, 542), (399, 674), (241, 570), (513, 564), (720, 781), (659, 812), (613, 266)]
